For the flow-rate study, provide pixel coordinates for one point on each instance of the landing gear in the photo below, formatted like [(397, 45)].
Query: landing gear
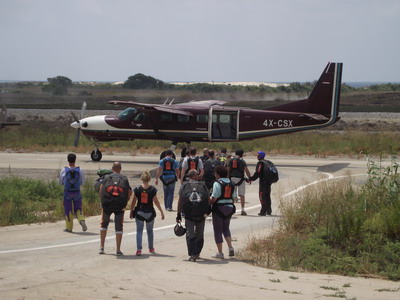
[(96, 155)]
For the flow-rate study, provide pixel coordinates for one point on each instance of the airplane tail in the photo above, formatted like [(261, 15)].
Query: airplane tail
[(324, 98)]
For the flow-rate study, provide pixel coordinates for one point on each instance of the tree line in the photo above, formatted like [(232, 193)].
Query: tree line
[(59, 86)]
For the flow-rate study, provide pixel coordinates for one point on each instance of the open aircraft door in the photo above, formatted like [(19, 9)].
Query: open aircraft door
[(223, 125)]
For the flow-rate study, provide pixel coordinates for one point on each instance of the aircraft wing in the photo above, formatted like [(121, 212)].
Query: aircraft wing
[(206, 102), (166, 108)]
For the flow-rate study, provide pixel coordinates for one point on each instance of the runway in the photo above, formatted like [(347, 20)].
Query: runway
[(41, 261)]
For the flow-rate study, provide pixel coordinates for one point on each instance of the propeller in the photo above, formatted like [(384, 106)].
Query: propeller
[(77, 120)]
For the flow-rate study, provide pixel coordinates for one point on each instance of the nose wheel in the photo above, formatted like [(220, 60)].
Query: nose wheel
[(96, 155)]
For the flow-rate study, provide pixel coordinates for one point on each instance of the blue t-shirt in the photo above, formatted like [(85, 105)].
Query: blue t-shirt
[(168, 175)]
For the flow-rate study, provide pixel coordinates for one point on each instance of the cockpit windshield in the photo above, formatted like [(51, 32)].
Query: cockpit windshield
[(127, 114)]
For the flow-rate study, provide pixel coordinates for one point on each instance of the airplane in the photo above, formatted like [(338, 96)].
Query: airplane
[(211, 121), (4, 117)]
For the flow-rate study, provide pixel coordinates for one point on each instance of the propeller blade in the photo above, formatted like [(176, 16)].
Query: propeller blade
[(78, 133), (76, 119), (83, 109)]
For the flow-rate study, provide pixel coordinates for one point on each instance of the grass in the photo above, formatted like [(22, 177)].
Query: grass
[(338, 228), (24, 201), (55, 137)]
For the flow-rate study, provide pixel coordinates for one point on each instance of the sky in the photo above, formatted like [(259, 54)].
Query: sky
[(203, 40)]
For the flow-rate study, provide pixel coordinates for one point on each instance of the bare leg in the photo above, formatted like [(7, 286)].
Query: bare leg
[(118, 238), (103, 234)]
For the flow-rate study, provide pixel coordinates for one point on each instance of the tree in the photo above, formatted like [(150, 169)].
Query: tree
[(57, 85), (141, 81)]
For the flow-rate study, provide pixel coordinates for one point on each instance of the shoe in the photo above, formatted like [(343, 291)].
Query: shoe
[(218, 255), (67, 230), (169, 209), (152, 250), (269, 213), (262, 213), (138, 252), (192, 258), (231, 252), (119, 253), (101, 251), (243, 213), (83, 224)]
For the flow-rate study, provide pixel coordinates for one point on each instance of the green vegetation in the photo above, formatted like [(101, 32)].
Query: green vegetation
[(140, 81), (57, 85), (25, 201), (338, 228)]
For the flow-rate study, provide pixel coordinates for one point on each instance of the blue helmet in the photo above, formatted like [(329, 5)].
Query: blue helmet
[(261, 154)]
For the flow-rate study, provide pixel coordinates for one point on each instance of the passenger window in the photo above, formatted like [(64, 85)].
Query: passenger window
[(202, 118), (166, 117), (224, 119), (183, 118)]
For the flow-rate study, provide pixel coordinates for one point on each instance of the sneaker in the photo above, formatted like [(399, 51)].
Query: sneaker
[(101, 251), (67, 230), (152, 250), (138, 252), (169, 209), (218, 255), (83, 224), (231, 252), (119, 253), (193, 258), (243, 213)]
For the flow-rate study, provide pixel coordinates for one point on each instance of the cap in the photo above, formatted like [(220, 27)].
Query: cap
[(261, 154)]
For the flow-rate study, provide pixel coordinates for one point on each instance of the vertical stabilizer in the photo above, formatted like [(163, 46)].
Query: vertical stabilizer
[(324, 98)]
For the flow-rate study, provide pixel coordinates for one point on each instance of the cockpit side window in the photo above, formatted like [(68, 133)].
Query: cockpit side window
[(140, 117), (127, 114)]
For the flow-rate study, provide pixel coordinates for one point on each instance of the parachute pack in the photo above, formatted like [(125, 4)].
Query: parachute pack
[(72, 179), (102, 173), (270, 172), (194, 200), (227, 189), (115, 191), (209, 167)]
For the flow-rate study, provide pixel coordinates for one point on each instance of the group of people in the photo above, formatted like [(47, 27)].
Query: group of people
[(208, 186)]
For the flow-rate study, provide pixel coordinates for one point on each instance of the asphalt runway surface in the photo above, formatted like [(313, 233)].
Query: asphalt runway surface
[(40, 261)]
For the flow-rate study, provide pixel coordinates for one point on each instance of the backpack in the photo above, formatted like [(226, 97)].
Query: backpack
[(145, 202), (168, 165), (209, 176), (270, 172), (192, 164), (115, 191), (98, 182), (194, 200), (237, 164), (72, 179), (227, 190)]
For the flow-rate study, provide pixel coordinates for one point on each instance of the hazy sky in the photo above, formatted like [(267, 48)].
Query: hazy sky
[(204, 40)]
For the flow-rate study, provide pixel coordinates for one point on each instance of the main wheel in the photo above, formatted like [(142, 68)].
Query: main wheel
[(96, 155)]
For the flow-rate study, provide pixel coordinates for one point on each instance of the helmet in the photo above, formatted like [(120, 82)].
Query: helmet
[(179, 230), (261, 154)]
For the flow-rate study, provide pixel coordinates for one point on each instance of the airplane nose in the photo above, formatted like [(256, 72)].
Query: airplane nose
[(75, 125)]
